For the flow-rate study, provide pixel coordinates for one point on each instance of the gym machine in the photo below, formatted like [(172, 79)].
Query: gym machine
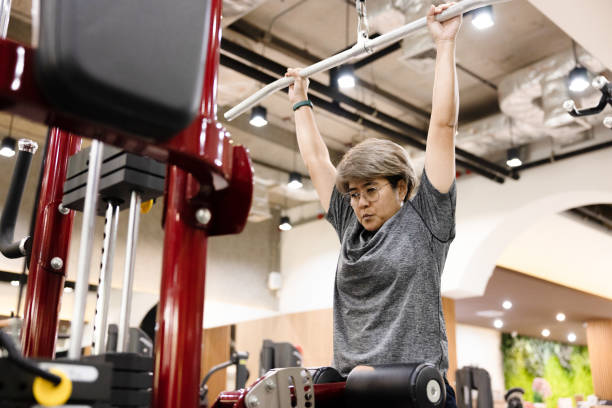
[(470, 379), (91, 75), (603, 85)]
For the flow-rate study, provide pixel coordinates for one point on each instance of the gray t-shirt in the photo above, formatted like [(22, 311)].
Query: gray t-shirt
[(387, 301)]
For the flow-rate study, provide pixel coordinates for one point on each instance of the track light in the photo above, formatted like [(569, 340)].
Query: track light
[(346, 77), (285, 224), (295, 181), (578, 79), (482, 18), (513, 158), (259, 116), (8, 147)]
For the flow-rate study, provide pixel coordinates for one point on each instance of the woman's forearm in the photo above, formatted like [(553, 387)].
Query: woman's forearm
[(445, 99), (311, 144)]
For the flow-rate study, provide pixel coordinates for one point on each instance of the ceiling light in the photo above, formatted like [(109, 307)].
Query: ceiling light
[(571, 337), (482, 18), (560, 317), (498, 323), (346, 77), (513, 158), (545, 332), (285, 224), (15, 283), (8, 147), (259, 116), (578, 79), (295, 181), (507, 304), (68, 289)]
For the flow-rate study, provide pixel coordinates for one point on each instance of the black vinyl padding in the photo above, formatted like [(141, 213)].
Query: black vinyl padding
[(132, 65)]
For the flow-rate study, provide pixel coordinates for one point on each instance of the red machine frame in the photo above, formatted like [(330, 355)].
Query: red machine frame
[(196, 157)]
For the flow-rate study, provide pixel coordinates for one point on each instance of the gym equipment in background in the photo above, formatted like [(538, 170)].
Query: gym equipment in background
[(237, 359), (278, 355), (602, 84), (514, 397), (468, 379)]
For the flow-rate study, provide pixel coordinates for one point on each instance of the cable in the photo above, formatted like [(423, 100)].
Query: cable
[(6, 342)]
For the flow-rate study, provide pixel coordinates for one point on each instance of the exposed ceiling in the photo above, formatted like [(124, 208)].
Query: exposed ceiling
[(535, 304), (296, 33)]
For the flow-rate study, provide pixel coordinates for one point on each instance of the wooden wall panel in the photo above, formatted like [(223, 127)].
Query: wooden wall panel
[(215, 350), (448, 308), (313, 332), (599, 341), (310, 330)]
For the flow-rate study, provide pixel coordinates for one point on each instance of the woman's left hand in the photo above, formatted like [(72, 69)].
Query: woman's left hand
[(446, 30)]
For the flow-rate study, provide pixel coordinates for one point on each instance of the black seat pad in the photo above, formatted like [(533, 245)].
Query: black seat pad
[(133, 65)]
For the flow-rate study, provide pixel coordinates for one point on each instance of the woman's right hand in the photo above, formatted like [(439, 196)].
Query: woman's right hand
[(298, 91)]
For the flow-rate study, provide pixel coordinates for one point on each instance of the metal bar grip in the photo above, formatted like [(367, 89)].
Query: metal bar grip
[(20, 248)]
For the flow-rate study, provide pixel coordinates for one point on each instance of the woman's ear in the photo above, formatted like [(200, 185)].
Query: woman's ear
[(402, 189)]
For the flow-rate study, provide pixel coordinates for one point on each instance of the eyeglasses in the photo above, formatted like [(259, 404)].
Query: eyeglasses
[(371, 194)]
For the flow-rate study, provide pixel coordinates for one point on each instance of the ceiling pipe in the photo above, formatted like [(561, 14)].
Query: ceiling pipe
[(414, 136), (254, 33), (260, 76), (556, 157)]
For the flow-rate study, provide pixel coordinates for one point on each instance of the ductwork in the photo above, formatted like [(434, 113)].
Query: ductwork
[(270, 187), (534, 96), (531, 100), (386, 15), (235, 9)]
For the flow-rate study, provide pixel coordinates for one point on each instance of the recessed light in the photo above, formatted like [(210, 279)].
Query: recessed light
[(560, 317), (507, 304), (545, 332), (571, 337), (498, 323)]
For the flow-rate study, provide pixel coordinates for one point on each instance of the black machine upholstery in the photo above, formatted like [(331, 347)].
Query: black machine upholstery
[(396, 386), (473, 378), (136, 66)]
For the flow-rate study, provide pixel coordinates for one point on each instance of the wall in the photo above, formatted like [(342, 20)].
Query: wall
[(237, 268), (489, 216), (480, 347), (311, 330)]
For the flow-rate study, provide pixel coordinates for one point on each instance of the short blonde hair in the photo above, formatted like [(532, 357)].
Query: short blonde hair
[(374, 158)]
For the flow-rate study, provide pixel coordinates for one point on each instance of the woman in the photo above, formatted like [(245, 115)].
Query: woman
[(387, 302)]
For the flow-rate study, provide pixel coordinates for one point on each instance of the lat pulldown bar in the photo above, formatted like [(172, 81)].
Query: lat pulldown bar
[(363, 47)]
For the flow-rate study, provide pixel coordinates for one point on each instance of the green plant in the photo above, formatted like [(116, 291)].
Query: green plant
[(565, 367)]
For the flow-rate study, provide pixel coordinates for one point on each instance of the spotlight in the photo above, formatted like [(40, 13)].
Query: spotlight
[(578, 79), (498, 323), (285, 224), (507, 304), (15, 283), (513, 158), (346, 77), (482, 18), (571, 337), (259, 116), (8, 147), (560, 317), (295, 181), (545, 332)]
